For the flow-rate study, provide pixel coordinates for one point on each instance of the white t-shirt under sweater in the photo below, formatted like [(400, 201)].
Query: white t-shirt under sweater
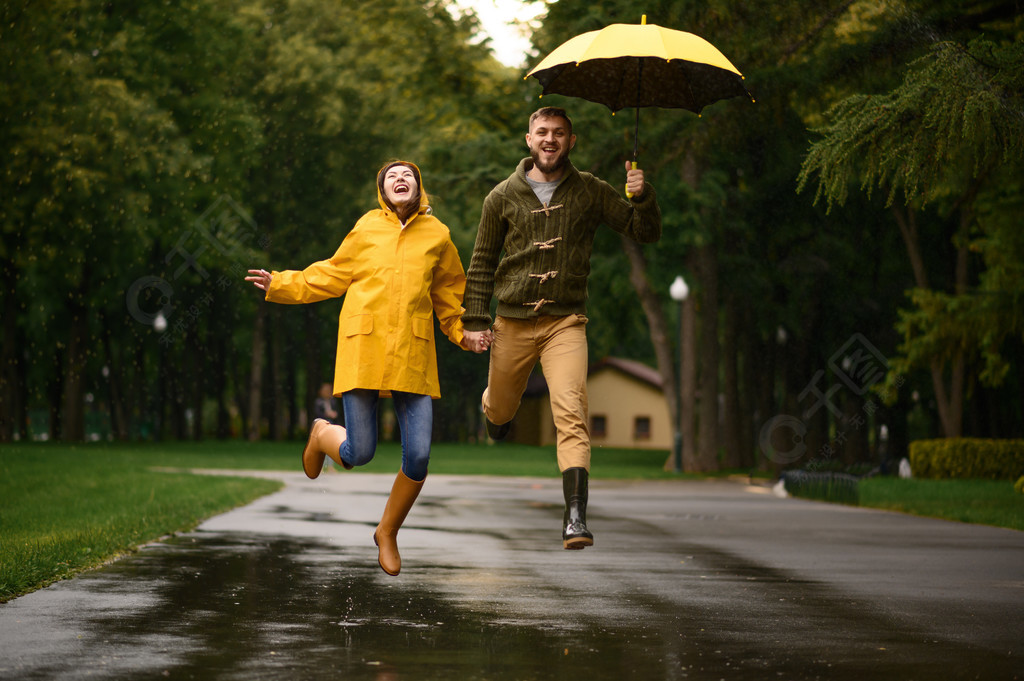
[(543, 190)]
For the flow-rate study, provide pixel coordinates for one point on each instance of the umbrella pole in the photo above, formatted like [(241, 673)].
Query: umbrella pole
[(636, 138), (636, 130), (639, 87)]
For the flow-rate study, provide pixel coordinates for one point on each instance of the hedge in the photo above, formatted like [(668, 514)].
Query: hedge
[(828, 486), (967, 458)]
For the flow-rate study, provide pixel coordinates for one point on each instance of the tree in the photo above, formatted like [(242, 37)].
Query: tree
[(950, 135), (93, 160), (151, 155)]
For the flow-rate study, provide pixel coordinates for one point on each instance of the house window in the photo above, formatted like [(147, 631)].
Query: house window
[(598, 426), (642, 428)]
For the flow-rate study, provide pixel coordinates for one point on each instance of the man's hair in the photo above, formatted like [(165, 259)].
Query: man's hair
[(551, 112)]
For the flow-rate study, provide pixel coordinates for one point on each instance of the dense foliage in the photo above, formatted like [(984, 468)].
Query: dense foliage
[(151, 155)]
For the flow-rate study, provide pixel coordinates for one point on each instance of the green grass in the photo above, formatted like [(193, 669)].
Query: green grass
[(66, 508), (445, 458), (982, 502)]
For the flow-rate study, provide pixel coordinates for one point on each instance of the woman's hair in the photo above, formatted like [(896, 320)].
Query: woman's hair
[(409, 208)]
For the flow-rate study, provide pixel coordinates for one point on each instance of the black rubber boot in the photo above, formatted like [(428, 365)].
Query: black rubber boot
[(575, 534), (497, 432)]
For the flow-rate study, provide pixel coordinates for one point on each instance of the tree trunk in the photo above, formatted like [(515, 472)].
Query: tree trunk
[(162, 393), (200, 375), (55, 398), (219, 384), (730, 435), (73, 402), (137, 407), (908, 230), (853, 430), (9, 356), (118, 414), (275, 394), (688, 332), (241, 393), (746, 345), (660, 338), (707, 432), (176, 390), (688, 378), (256, 375), (20, 407), (949, 402), (314, 374), (808, 391), (959, 369), (765, 407), (291, 390)]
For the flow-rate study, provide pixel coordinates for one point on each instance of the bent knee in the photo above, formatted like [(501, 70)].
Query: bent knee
[(357, 456)]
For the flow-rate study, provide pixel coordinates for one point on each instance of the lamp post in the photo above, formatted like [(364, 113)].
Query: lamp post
[(679, 291)]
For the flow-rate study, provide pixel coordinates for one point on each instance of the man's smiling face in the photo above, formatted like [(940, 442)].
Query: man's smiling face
[(549, 141)]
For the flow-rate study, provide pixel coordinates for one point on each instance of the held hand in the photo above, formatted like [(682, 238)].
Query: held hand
[(477, 341), (471, 340), (634, 180), (260, 279)]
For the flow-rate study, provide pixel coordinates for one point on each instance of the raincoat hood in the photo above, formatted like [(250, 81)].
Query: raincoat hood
[(424, 208)]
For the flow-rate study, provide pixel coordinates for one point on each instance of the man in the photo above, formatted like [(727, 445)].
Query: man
[(544, 217)]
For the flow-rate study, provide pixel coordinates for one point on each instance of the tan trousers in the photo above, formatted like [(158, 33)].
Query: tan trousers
[(560, 344)]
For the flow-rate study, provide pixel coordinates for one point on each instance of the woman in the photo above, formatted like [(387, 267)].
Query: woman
[(396, 268)]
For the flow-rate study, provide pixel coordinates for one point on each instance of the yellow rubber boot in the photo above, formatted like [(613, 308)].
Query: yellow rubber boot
[(403, 496), (325, 440)]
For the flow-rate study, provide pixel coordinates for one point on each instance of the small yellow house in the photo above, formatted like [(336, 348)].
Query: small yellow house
[(627, 408)]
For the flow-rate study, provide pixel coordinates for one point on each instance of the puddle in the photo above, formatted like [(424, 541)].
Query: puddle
[(210, 606)]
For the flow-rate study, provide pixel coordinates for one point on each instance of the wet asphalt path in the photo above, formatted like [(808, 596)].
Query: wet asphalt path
[(687, 580)]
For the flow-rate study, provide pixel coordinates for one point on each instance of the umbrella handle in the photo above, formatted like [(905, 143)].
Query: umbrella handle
[(636, 131)]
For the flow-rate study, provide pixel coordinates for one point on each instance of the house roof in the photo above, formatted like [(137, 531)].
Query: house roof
[(630, 367), (536, 385)]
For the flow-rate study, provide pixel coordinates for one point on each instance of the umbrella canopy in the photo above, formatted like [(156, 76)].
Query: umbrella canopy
[(638, 65)]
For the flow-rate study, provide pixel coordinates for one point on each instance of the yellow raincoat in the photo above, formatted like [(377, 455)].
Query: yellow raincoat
[(394, 280)]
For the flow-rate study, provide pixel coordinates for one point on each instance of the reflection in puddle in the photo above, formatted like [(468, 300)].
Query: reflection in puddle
[(228, 607)]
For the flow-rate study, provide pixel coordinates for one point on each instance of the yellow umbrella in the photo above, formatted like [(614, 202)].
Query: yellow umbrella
[(637, 65)]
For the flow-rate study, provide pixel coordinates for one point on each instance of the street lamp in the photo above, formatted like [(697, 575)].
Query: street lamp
[(679, 291)]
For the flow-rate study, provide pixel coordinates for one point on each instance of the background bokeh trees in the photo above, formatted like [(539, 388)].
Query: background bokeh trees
[(152, 154)]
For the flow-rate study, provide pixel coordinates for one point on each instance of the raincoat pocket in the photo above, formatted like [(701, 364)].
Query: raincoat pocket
[(358, 325), (422, 330)]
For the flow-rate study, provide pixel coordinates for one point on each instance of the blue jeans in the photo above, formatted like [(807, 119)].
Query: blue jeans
[(415, 422)]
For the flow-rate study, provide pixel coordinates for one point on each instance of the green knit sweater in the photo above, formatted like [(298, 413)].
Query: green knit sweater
[(547, 250)]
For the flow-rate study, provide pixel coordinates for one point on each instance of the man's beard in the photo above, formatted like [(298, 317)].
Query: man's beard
[(552, 167)]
